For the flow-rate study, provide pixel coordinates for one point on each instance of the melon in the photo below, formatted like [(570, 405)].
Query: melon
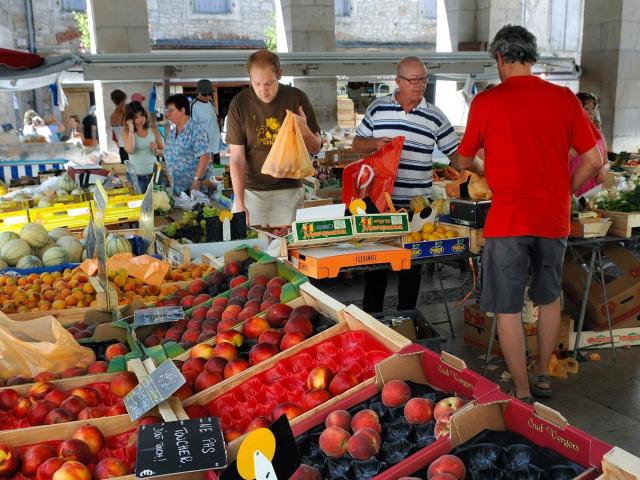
[(6, 236), (3, 264), (66, 184), (40, 251), (30, 261), (117, 244), (34, 234), (73, 248), (59, 232), (55, 256), (14, 250)]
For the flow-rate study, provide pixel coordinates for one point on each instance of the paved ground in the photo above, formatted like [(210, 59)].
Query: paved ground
[(602, 399)]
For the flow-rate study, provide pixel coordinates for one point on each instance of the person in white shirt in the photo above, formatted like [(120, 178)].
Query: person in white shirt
[(204, 114)]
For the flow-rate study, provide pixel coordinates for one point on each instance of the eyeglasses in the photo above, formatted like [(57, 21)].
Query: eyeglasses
[(414, 81), (169, 111)]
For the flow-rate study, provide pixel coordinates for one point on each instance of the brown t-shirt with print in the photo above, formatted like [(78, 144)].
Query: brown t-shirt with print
[(255, 124)]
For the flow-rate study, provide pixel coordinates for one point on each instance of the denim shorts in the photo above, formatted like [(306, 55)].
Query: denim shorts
[(507, 264)]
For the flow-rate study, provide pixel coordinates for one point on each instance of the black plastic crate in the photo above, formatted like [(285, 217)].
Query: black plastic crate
[(425, 333)]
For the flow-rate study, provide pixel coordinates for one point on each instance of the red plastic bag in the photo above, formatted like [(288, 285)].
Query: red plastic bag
[(373, 176)]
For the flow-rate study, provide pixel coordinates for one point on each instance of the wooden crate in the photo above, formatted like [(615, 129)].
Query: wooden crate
[(618, 464), (65, 317), (101, 294), (476, 239), (624, 224)]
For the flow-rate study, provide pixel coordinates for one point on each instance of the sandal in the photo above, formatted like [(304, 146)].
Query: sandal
[(535, 384), (528, 399)]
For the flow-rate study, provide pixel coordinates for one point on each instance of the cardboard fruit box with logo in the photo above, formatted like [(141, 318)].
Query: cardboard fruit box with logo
[(438, 248), (623, 291)]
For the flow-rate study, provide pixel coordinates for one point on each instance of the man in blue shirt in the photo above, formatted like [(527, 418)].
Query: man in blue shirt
[(204, 114)]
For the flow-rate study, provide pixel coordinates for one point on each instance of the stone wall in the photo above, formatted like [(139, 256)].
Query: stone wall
[(384, 21), (174, 19)]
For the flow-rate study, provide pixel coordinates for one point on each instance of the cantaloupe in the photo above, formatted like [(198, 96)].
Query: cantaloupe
[(30, 261), (3, 264), (117, 244), (14, 250), (59, 232), (55, 256), (6, 236), (40, 251), (34, 234), (73, 248)]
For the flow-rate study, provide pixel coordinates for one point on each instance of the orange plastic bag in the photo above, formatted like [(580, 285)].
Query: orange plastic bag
[(288, 157), (143, 267), (32, 346), (373, 176)]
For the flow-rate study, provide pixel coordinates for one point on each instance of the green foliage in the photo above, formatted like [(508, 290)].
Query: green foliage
[(82, 23), (271, 36)]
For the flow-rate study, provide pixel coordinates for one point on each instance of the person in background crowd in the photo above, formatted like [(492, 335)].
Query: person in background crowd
[(405, 112), (90, 125), (590, 105), (55, 126), (186, 150), (141, 143), (73, 132), (119, 99), (254, 120), (41, 128), (204, 114), (27, 122), (526, 167)]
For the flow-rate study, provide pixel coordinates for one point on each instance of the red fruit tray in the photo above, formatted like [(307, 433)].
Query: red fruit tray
[(354, 352), (10, 422)]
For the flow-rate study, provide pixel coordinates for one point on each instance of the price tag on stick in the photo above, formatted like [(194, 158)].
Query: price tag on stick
[(155, 315)]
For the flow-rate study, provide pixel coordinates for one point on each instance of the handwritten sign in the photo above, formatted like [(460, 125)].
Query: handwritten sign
[(155, 315), (178, 447), (154, 389)]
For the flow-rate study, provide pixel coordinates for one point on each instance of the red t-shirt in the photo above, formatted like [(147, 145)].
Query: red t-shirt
[(526, 126)]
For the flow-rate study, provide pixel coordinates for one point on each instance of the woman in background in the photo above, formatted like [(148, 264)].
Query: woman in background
[(141, 143), (73, 132)]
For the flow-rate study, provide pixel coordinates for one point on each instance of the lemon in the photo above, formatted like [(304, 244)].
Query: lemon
[(432, 237), (441, 229), (451, 234), (428, 228), (415, 237), (357, 204)]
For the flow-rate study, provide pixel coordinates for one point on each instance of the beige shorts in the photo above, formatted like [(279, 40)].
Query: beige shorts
[(273, 208)]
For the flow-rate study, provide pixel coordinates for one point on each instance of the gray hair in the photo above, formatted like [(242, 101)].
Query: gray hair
[(515, 44), (408, 60)]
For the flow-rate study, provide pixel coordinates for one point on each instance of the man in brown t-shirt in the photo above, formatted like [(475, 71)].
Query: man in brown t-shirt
[(253, 122)]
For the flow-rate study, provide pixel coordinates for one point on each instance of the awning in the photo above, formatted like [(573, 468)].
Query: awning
[(31, 78)]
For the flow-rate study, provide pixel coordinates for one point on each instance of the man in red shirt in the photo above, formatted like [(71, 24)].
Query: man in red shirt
[(526, 127)]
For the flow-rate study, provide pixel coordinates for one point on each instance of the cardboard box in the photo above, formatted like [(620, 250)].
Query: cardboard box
[(476, 238), (320, 232), (590, 227), (326, 262), (477, 329), (624, 224), (620, 465), (623, 292), (438, 248), (380, 225), (622, 337)]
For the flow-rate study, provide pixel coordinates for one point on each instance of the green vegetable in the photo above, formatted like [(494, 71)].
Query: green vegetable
[(626, 202)]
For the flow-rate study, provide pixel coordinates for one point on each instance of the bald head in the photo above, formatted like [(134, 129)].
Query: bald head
[(410, 63)]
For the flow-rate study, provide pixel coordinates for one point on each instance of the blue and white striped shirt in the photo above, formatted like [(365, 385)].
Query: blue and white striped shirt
[(424, 128)]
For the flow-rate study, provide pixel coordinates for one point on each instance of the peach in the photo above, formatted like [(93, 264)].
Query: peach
[(268, 303), (115, 350), (447, 406), (305, 472), (74, 405), (366, 418), (91, 412), (256, 292), (313, 398), (205, 380), (45, 376), (237, 281), (225, 350), (220, 302), (38, 412), (49, 467), (235, 366), (8, 398), (174, 333), (260, 280), (291, 410), (202, 350), (72, 470), (35, 456), (233, 269), (197, 286), (184, 392), (98, 367), (187, 302), (271, 336), (92, 436), (306, 311), (299, 324), (214, 313), (233, 337), (114, 410), (342, 382), (56, 397), (443, 426), (418, 411), (339, 418), (226, 324), (75, 450), (278, 314), (261, 352), (258, 422), (21, 407), (110, 467), (58, 415), (73, 372), (291, 339), (395, 393), (447, 464), (216, 365), (40, 389), (276, 282), (333, 441), (190, 336), (364, 444), (254, 327), (203, 297), (121, 384), (320, 377), (239, 292), (196, 411), (152, 341)]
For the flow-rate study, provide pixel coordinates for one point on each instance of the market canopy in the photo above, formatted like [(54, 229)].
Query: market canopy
[(17, 70)]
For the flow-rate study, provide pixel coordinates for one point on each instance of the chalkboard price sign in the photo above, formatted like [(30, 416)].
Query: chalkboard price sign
[(155, 315), (180, 447), (154, 389)]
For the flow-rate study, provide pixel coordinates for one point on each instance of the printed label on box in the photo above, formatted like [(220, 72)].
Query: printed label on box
[(378, 224), (438, 248), (321, 229)]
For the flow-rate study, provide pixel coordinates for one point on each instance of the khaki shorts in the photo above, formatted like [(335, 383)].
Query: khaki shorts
[(273, 208)]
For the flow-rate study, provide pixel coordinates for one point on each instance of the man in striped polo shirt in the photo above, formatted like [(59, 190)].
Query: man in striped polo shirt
[(425, 127)]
